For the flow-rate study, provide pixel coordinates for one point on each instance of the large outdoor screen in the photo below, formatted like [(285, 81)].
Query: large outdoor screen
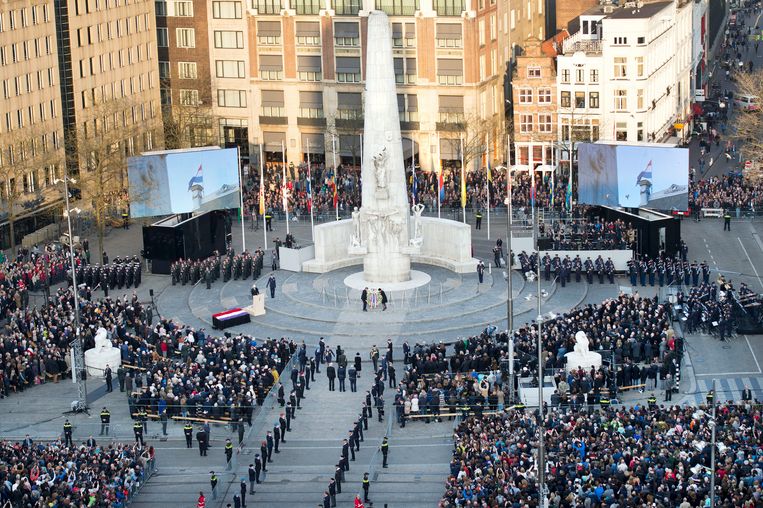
[(633, 176), (183, 181)]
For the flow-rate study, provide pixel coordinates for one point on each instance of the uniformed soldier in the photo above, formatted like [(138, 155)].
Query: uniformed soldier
[(366, 486), (661, 273), (547, 267), (669, 273), (577, 265), (609, 267), (68, 427), (188, 431), (687, 274), (600, 269), (705, 273), (228, 454), (589, 270), (105, 420), (652, 401), (694, 274), (650, 270), (208, 277)]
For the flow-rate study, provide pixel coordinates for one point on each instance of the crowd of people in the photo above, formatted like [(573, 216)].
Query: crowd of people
[(727, 191), (51, 474), (657, 456)]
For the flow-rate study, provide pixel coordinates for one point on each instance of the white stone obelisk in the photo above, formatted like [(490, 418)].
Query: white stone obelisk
[(381, 225)]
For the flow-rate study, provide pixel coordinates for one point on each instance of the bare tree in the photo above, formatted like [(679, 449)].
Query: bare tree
[(747, 123), (29, 154), (114, 131), (190, 121), (348, 126), (475, 133)]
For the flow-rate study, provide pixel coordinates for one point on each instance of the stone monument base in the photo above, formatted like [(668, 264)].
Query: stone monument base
[(418, 279), (584, 361), (445, 243)]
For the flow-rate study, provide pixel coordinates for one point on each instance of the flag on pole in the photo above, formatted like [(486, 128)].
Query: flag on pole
[(415, 184), (646, 174), (262, 193), (333, 184), (309, 189), (440, 183), (551, 191), (197, 178), (568, 197), (463, 187), (532, 188), (284, 192)]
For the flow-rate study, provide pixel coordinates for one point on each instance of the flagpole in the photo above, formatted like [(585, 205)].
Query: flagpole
[(487, 182), (439, 174), (310, 192), (533, 195), (283, 186), (241, 196), (336, 171), (413, 169), (262, 201), (463, 181)]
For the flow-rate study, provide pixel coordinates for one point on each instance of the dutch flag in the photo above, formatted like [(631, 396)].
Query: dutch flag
[(197, 178), (646, 174)]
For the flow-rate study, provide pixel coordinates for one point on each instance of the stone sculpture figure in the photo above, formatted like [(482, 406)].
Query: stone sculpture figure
[(380, 167), (582, 357), (356, 239)]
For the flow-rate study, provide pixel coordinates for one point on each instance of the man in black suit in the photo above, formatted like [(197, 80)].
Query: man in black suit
[(364, 299)]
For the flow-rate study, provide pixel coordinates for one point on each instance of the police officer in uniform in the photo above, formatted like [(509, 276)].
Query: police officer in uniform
[(385, 450), (478, 219), (577, 265), (609, 267), (632, 271), (137, 429), (188, 431), (589, 270), (105, 420), (68, 427)]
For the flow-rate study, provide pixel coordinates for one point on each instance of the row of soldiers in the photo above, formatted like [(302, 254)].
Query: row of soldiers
[(668, 272), (563, 269), (122, 272), (228, 266)]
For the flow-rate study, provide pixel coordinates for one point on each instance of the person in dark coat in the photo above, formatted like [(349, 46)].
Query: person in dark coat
[(364, 299), (331, 374), (383, 298)]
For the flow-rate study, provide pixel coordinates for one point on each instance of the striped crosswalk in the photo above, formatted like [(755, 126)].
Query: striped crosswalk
[(726, 388)]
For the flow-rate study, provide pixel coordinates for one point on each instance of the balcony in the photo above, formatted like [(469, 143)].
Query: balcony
[(576, 42)]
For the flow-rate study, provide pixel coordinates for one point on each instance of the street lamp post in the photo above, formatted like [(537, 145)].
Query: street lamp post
[(713, 425), (79, 355), (510, 290), (541, 437)]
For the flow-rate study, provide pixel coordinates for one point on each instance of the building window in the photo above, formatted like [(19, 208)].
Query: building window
[(620, 41), (544, 123), (189, 97), (621, 100), (348, 69), (164, 70), (565, 100), (525, 95), (309, 68), (640, 99), (449, 35), (187, 70), (404, 34), (273, 103), (346, 34), (449, 7), (161, 7), (268, 6), (451, 109), (230, 68), (226, 10), (639, 66), (641, 40), (184, 9), (347, 7), (312, 7), (398, 7), (565, 75), (594, 75), (271, 67), (534, 72), (311, 105), (621, 131), (544, 96), (349, 106), (269, 33), (231, 98), (579, 76), (162, 40), (185, 37), (525, 123), (229, 39), (593, 100), (408, 108), (580, 99), (640, 131), (450, 71), (621, 67), (308, 33)]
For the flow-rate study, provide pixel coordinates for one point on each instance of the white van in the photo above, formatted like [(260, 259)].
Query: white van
[(747, 102)]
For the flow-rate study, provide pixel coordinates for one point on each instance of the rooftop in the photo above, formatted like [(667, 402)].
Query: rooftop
[(643, 12)]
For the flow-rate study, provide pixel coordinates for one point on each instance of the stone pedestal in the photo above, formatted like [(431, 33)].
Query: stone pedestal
[(584, 361), (380, 268), (101, 355)]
